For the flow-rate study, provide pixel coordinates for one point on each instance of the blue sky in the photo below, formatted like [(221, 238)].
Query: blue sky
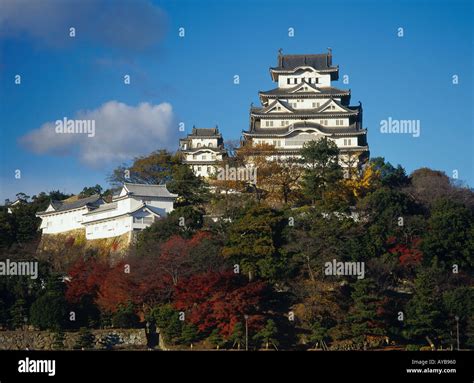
[(190, 79)]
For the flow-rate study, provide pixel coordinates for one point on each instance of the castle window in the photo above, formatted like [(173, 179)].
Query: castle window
[(316, 80), (296, 81), (288, 81)]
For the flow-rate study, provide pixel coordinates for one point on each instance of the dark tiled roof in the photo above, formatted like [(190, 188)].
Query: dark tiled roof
[(148, 190), (205, 132), (103, 207), (288, 92), (91, 201), (317, 61), (352, 129), (305, 112)]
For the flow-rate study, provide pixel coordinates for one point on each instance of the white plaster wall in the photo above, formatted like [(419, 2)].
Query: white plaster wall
[(323, 79), (109, 229), (61, 222)]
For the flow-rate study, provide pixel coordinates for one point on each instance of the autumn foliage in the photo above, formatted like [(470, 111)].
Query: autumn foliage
[(220, 300), (409, 254)]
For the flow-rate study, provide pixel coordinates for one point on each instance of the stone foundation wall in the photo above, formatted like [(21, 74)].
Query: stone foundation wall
[(63, 249), (43, 340)]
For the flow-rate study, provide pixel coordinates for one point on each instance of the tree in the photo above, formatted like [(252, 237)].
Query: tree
[(424, 317), (90, 191), (155, 168), (363, 314), (459, 302), (268, 334), (49, 309), (168, 322), (48, 312), (254, 242), (362, 184), (189, 333), (18, 313), (191, 190), (220, 300), (125, 316), (450, 237), (117, 288), (323, 169), (216, 339), (238, 335), (7, 230), (277, 179), (389, 175)]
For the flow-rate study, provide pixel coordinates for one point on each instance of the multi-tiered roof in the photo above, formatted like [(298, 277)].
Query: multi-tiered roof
[(306, 106)]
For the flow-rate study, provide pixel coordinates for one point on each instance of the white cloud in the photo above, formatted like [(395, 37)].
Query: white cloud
[(122, 132)]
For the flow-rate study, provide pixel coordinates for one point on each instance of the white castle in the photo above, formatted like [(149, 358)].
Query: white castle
[(202, 150), (304, 107), (136, 207)]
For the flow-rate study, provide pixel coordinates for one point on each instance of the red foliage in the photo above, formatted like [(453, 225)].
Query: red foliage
[(220, 300), (116, 288), (85, 278), (151, 279), (408, 254)]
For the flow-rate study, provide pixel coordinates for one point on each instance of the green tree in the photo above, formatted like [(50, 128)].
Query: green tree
[(189, 333), (125, 317), (216, 339), (238, 335), (323, 170), (48, 311), (192, 190), (389, 175), (7, 229), (318, 333), (450, 238), (424, 316), (168, 322), (268, 334), (155, 168), (459, 303), (363, 315), (90, 191), (254, 242), (18, 313)]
